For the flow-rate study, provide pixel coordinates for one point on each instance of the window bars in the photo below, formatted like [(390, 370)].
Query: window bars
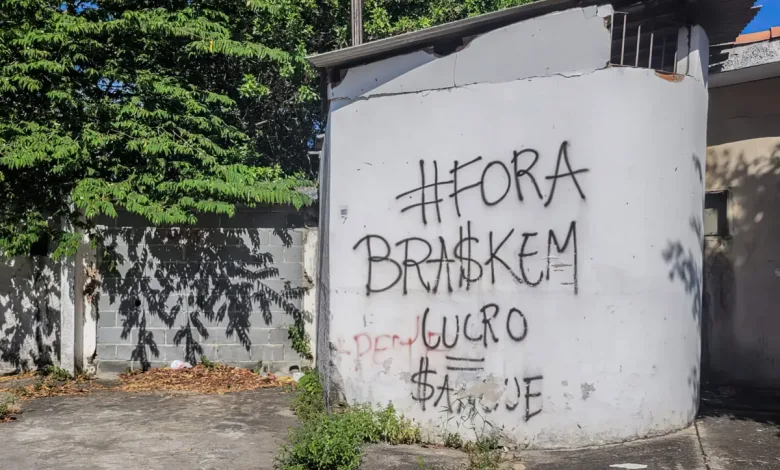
[(645, 43)]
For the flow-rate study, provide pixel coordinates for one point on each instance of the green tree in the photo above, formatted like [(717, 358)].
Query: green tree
[(167, 108), (152, 106), (383, 18)]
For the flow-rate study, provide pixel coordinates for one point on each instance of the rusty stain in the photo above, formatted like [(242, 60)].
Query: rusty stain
[(670, 77)]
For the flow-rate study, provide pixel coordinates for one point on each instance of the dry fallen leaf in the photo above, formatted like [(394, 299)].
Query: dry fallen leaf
[(49, 387), (199, 379), (15, 377)]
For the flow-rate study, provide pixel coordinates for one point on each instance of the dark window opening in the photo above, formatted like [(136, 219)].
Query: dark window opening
[(716, 222), (40, 247)]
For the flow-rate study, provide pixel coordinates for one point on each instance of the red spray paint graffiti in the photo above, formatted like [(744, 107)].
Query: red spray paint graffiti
[(378, 347)]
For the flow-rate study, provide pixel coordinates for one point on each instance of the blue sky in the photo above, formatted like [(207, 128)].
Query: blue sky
[(768, 16)]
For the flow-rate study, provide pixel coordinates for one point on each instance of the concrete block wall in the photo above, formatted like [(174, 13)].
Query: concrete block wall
[(29, 313), (227, 288)]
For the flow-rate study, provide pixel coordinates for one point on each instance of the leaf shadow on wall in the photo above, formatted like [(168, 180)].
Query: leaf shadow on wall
[(179, 293), (683, 257), (29, 313), (738, 340)]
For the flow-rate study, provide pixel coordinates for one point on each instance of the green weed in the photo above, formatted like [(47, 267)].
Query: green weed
[(484, 453), (335, 441), (396, 429), (8, 408), (453, 440), (56, 373), (207, 363), (260, 368), (321, 443), (309, 400)]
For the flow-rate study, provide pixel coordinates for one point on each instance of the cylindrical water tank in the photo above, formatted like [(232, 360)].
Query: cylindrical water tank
[(522, 257)]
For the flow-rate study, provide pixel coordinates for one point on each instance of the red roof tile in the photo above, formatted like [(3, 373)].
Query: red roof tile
[(754, 37), (766, 35)]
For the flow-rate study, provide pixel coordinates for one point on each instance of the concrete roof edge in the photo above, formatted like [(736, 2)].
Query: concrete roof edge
[(377, 50), (753, 73), (722, 19)]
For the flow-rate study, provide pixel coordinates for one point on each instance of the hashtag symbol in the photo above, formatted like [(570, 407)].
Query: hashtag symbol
[(423, 204)]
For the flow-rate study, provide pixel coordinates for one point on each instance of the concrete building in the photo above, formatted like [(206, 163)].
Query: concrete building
[(742, 257), (511, 225)]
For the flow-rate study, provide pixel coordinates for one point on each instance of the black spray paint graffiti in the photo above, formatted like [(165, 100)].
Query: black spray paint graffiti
[(471, 255), (442, 394), (485, 328), (486, 323), (495, 175), (416, 256)]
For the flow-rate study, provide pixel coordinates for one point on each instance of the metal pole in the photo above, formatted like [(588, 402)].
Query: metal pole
[(650, 56), (638, 40), (623, 44), (357, 22)]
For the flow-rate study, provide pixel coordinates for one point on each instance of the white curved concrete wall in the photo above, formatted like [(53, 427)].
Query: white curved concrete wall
[(572, 312)]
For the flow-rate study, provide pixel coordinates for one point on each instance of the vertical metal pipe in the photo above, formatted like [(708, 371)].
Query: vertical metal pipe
[(611, 34), (638, 41), (650, 56), (357, 22), (623, 45)]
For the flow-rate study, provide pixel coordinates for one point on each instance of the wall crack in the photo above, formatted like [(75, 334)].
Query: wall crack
[(701, 446), (463, 85)]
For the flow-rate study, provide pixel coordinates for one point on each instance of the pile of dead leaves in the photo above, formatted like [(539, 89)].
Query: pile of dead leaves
[(217, 379), (45, 386), (15, 377)]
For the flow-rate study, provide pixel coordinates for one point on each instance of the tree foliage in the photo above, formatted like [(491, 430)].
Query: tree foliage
[(167, 108), (149, 106), (387, 17)]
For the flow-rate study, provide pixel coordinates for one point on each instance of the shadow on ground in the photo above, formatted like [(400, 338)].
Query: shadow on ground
[(740, 428), (740, 403)]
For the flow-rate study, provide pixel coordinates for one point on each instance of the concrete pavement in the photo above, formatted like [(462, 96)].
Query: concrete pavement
[(110, 429)]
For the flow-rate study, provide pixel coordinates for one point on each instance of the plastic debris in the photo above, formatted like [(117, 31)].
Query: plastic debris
[(177, 364)]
